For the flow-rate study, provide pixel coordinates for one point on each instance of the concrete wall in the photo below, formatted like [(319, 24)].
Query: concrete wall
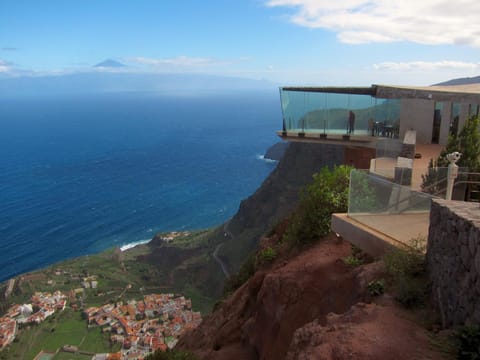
[(417, 114), (453, 260)]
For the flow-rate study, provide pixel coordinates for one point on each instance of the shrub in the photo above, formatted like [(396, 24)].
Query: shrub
[(245, 272), (326, 195), (467, 342), (352, 261), (406, 269), (407, 262), (376, 287), (268, 254)]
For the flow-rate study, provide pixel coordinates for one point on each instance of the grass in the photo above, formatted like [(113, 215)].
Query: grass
[(70, 356), (67, 328), (204, 303)]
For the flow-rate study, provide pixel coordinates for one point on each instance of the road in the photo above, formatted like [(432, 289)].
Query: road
[(219, 246)]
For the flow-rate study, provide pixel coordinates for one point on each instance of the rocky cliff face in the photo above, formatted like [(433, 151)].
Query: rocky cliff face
[(276, 198), (287, 312)]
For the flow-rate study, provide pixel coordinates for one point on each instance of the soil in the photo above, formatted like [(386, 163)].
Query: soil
[(310, 306)]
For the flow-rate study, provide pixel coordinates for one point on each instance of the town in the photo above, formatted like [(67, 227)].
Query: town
[(144, 326), (140, 327)]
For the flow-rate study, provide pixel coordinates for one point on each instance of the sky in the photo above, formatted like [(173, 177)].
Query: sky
[(289, 42)]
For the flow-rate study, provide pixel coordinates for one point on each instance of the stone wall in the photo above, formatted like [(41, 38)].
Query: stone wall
[(453, 260)]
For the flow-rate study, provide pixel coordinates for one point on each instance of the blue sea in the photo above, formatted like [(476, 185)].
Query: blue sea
[(82, 173)]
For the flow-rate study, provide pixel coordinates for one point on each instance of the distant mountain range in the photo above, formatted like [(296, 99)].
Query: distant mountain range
[(460, 81)]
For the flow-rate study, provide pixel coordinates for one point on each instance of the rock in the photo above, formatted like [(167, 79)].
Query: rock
[(465, 255), (364, 332), (276, 151)]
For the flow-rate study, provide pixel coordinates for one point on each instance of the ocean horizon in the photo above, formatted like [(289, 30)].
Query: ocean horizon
[(83, 173)]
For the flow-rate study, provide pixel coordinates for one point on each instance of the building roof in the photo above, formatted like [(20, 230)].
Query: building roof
[(469, 93)]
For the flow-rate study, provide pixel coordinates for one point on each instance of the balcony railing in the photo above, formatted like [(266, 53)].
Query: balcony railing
[(399, 211)]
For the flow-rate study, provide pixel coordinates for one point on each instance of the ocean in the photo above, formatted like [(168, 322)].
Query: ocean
[(82, 173)]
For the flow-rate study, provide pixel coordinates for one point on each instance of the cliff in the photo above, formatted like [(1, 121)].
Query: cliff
[(275, 199), (195, 269), (309, 305)]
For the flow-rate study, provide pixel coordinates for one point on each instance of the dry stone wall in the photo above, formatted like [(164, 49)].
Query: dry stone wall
[(453, 260)]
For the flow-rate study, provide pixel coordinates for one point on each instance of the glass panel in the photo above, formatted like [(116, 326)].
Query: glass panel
[(437, 121), (389, 208), (339, 114), (387, 118), (455, 119), (435, 182)]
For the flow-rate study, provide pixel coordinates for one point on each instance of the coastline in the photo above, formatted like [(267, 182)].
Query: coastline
[(133, 244)]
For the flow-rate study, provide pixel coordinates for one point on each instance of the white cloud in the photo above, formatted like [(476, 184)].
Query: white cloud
[(427, 66), (4, 66), (365, 21), (179, 61)]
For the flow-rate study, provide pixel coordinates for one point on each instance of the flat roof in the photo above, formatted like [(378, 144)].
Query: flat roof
[(456, 93)]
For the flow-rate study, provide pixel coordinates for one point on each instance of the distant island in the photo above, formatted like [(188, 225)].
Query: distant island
[(109, 63)]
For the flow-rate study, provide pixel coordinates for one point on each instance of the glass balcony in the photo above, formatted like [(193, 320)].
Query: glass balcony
[(328, 113)]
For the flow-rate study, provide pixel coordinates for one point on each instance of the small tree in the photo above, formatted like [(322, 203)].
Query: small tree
[(468, 143), (326, 195)]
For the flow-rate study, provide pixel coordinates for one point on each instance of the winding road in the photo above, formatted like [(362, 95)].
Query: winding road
[(219, 246)]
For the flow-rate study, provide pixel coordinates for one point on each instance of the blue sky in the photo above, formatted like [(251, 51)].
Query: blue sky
[(304, 42)]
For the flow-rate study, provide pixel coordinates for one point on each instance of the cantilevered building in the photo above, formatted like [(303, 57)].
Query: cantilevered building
[(389, 134)]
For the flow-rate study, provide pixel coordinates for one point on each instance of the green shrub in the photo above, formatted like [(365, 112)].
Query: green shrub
[(268, 254), (467, 342), (406, 269), (408, 262), (352, 261), (376, 287), (326, 195)]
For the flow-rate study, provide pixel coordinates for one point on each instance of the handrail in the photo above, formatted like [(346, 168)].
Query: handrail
[(435, 195), (382, 181), (466, 182), (426, 195), (434, 184)]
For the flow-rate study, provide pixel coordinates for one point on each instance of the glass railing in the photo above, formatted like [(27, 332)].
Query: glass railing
[(389, 208), (399, 211), (339, 114), (373, 194), (434, 182)]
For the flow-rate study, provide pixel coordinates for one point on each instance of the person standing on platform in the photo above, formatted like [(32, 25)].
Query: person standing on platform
[(351, 122)]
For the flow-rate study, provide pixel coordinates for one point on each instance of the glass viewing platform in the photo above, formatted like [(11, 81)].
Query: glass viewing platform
[(341, 113)]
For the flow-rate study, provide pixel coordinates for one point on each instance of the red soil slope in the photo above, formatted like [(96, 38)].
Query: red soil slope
[(287, 312)]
